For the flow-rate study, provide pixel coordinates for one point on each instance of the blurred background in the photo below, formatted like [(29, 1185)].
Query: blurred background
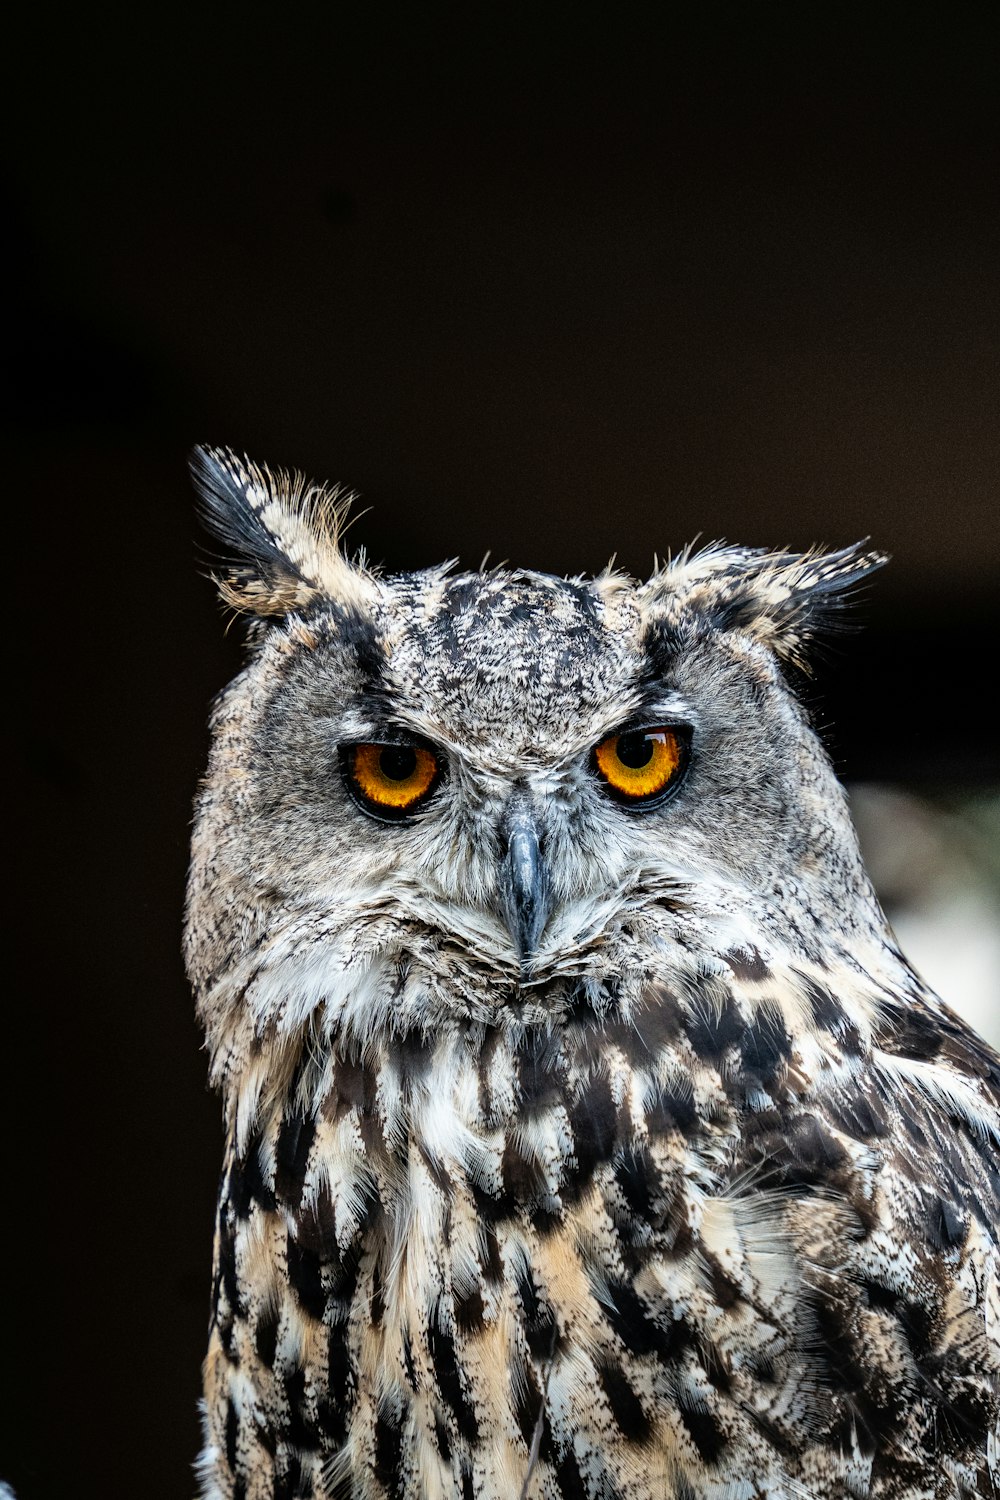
[(555, 281)]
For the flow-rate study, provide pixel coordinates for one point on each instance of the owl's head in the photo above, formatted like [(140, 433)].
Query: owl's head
[(505, 778)]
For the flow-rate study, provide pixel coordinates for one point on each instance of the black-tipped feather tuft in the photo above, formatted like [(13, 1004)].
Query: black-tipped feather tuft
[(223, 485), (282, 531)]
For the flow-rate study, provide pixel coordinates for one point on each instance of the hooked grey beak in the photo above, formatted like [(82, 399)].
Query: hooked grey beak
[(524, 885)]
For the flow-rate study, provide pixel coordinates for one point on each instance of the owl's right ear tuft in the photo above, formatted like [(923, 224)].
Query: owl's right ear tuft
[(281, 533)]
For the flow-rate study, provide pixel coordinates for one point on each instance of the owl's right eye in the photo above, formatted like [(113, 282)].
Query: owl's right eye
[(390, 781)]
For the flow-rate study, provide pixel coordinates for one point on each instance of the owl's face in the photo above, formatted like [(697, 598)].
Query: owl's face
[(506, 768)]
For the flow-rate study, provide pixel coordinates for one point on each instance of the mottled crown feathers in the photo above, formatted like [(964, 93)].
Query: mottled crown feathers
[(283, 533)]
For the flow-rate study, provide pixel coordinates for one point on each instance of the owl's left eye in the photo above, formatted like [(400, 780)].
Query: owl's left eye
[(390, 780), (641, 767)]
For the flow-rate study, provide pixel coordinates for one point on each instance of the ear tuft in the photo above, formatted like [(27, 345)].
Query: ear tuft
[(782, 599), (282, 531)]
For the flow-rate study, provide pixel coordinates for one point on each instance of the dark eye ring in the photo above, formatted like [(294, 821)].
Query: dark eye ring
[(390, 779), (641, 767)]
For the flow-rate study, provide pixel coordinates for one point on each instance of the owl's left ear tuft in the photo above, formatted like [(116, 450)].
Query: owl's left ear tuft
[(282, 533), (781, 599)]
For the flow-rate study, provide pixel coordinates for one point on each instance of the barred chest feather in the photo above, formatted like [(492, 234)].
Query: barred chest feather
[(674, 1246)]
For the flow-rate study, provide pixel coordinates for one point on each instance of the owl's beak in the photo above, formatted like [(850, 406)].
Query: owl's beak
[(525, 886)]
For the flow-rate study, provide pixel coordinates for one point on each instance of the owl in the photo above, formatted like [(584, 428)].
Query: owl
[(587, 1134)]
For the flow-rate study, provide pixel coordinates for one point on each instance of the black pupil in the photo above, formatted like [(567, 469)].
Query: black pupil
[(635, 750), (397, 762)]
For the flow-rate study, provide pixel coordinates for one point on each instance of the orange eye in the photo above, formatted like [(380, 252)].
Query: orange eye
[(639, 765), (390, 780)]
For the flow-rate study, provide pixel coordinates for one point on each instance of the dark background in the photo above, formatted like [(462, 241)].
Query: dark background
[(550, 280)]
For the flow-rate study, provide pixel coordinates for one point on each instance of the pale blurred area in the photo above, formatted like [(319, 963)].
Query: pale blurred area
[(936, 867)]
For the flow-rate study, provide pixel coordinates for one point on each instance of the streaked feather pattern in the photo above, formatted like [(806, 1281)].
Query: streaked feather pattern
[(721, 1256)]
